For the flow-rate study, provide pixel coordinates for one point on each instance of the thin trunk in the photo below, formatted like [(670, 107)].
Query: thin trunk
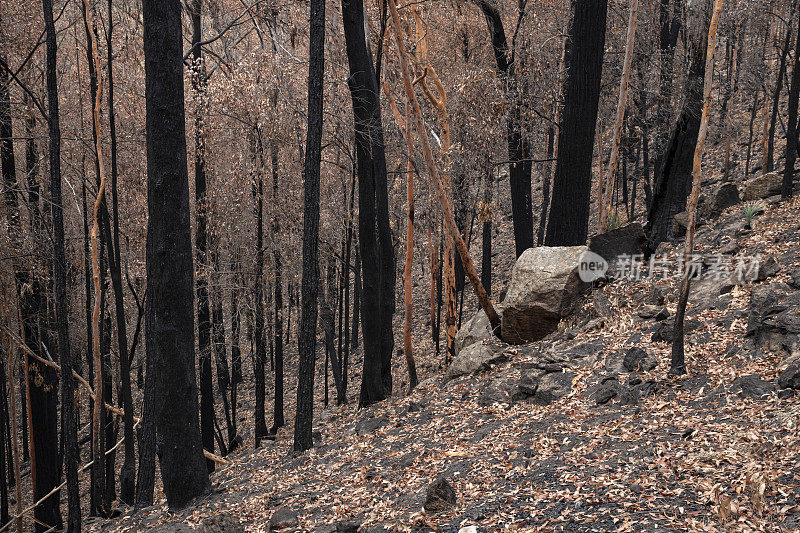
[(307, 338), (791, 127), (678, 364), (278, 418)]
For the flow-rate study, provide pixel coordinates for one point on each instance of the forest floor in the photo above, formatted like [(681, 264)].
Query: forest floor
[(690, 454)]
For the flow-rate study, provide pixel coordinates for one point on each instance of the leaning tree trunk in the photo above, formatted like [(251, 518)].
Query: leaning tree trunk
[(169, 315), (678, 364), (307, 339), (568, 220)]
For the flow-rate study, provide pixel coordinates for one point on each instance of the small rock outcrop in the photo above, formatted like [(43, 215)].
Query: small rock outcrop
[(544, 289), (724, 196), (476, 329), (475, 357), (761, 187), (789, 378), (221, 524), (282, 518), (440, 497), (752, 387)]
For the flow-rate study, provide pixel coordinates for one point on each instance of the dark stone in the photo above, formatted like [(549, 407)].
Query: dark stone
[(606, 392), (221, 524), (370, 424), (724, 196), (774, 321), (731, 248), (653, 311), (499, 390), (785, 394), (795, 281), (552, 387), (527, 385), (440, 497), (752, 386), (655, 295), (638, 359), (348, 526), (767, 269), (789, 378), (172, 527), (626, 240)]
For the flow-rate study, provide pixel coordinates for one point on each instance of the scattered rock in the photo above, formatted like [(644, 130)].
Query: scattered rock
[(440, 497), (476, 329), (795, 281), (586, 353), (368, 425), (752, 386), (348, 526), (544, 288), (663, 330), (626, 240), (654, 312), (767, 269), (724, 196), (475, 357), (606, 392), (499, 390), (552, 387), (681, 221), (789, 378), (638, 359), (774, 320), (172, 527), (221, 524), (655, 295), (731, 248), (762, 186)]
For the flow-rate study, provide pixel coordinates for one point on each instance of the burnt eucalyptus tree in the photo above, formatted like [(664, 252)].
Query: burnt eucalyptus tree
[(374, 239), (278, 420), (47, 470), (201, 237), (673, 174), (572, 184), (307, 339), (169, 316), (518, 148)]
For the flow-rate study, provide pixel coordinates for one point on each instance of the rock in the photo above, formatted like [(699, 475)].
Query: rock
[(499, 390), (283, 517), (368, 425), (586, 353), (606, 392), (528, 384), (795, 281), (654, 312), (681, 221), (440, 497), (544, 288), (767, 269), (476, 329), (348, 526), (475, 357), (626, 240), (552, 387), (731, 248), (724, 196), (763, 186), (752, 386), (221, 524), (614, 362), (173, 527), (655, 295), (638, 359), (774, 318), (706, 292), (789, 378), (663, 330)]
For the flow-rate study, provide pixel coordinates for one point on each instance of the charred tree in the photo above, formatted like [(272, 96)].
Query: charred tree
[(568, 220), (169, 313)]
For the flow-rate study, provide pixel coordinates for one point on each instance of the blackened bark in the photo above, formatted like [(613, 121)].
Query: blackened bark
[(518, 147), (47, 469), (307, 338), (551, 137), (371, 165), (669, 28), (169, 315), (791, 127), (673, 175), (486, 248), (278, 419), (572, 185), (259, 361), (776, 97), (128, 473)]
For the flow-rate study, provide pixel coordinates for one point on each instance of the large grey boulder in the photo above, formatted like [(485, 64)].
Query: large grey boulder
[(475, 357), (762, 186), (544, 289), (476, 329)]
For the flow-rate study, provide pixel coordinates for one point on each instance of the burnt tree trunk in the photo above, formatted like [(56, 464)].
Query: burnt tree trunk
[(572, 184), (169, 315)]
